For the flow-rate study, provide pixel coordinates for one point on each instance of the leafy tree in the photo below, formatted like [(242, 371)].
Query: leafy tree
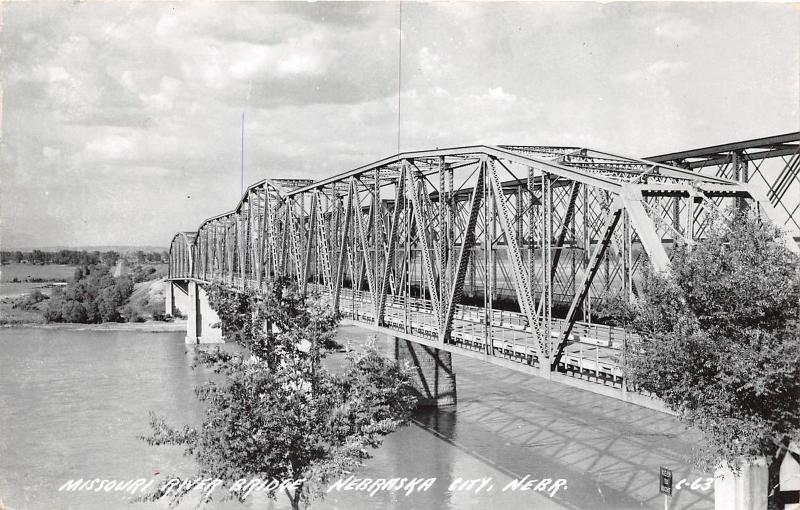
[(74, 311), (269, 324), (99, 294), (284, 416), (719, 339)]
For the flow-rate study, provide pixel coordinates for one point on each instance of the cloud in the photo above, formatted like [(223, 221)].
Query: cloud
[(657, 70), (135, 107), (677, 29), (662, 67), (109, 147)]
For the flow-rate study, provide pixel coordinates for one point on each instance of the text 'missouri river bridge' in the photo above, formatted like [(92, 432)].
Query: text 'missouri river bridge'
[(511, 254)]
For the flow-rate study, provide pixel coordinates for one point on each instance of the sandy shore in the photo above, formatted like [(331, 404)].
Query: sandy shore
[(144, 327)]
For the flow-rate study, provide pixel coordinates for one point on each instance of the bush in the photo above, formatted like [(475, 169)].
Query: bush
[(29, 301), (719, 340)]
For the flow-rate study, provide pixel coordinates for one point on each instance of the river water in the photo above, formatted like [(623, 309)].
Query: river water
[(73, 403)]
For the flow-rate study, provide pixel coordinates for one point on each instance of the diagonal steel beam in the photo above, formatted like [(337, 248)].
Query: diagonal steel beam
[(310, 244), (468, 241), (651, 242), (322, 242), (392, 244), (565, 225), (366, 261), (611, 221), (296, 247), (518, 271), (417, 187), (342, 248)]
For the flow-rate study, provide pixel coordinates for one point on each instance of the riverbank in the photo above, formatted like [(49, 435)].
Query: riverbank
[(146, 298), (177, 325)]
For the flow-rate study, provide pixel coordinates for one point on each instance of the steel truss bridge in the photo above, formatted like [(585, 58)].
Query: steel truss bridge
[(509, 253)]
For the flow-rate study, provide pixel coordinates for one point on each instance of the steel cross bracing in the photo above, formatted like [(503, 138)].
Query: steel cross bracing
[(509, 251), (773, 163)]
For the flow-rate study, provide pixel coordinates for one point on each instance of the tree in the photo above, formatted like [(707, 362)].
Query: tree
[(73, 311), (284, 416), (97, 292), (268, 324), (109, 258), (719, 339)]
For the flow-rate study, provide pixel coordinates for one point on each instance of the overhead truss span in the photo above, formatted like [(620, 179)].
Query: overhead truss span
[(512, 252)]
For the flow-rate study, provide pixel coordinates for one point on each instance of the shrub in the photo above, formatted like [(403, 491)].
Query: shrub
[(719, 340)]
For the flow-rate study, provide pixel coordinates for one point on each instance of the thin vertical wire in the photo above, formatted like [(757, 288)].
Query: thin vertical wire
[(241, 190), (399, 72)]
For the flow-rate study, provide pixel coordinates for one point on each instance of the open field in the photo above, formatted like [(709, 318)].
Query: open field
[(23, 272), (16, 316), (20, 289)]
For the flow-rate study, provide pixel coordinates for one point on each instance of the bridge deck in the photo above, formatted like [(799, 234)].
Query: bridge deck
[(593, 353)]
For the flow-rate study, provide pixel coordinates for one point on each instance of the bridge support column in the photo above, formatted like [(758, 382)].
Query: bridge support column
[(176, 298), (747, 491), (433, 374), (201, 318), (169, 298)]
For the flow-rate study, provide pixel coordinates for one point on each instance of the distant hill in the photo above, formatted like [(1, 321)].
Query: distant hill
[(120, 249)]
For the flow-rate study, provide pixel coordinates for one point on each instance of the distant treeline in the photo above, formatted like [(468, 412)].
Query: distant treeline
[(81, 257)]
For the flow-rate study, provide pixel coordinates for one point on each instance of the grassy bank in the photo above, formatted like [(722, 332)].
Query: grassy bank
[(175, 326)]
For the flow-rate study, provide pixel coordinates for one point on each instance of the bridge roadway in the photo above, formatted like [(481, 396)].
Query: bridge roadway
[(508, 425), (592, 359), (593, 353)]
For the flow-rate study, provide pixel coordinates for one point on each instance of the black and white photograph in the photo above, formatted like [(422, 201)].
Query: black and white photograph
[(399, 255)]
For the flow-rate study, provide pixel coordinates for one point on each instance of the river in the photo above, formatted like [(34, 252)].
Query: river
[(73, 403)]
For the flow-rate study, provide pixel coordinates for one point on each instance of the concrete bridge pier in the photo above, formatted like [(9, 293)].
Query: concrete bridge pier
[(176, 298), (187, 298), (433, 376)]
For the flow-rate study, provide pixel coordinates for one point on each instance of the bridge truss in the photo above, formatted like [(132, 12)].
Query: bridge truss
[(507, 251)]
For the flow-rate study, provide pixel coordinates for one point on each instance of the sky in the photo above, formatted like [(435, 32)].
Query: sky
[(121, 122)]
